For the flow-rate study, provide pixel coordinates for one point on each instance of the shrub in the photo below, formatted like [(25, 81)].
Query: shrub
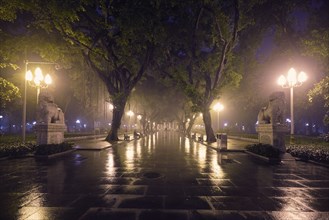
[(310, 152), (48, 149), (16, 149), (264, 150)]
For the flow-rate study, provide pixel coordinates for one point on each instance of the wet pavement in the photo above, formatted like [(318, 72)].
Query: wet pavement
[(163, 176)]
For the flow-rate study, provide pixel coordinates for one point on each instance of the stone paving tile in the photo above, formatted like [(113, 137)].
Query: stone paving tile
[(126, 189), (318, 204), (214, 182), (285, 192), (165, 190), (51, 200), (163, 215), (187, 202), (234, 203), (240, 191), (145, 202), (319, 193), (203, 191), (86, 201), (228, 215), (280, 215), (289, 204), (106, 214), (284, 176), (194, 182), (116, 180), (315, 183), (42, 213)]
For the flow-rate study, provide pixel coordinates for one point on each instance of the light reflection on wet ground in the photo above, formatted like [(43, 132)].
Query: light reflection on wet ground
[(186, 180)]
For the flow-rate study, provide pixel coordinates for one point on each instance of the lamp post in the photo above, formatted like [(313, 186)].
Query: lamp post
[(292, 80), (139, 117), (130, 113), (37, 80), (218, 107)]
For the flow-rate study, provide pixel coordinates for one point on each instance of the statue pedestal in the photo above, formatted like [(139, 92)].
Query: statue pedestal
[(273, 135), (50, 133)]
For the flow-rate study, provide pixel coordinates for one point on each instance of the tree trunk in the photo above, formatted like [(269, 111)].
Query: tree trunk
[(207, 123), (190, 125), (118, 112)]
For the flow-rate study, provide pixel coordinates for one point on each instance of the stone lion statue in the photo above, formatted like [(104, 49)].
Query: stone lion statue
[(274, 112), (48, 111)]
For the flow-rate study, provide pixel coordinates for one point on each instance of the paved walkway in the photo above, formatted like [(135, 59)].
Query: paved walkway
[(163, 176)]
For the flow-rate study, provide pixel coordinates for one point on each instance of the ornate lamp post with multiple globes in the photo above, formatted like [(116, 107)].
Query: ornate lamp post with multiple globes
[(35, 80), (290, 81), (38, 80)]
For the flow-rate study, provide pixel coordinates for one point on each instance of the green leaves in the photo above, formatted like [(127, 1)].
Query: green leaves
[(321, 91), (8, 92)]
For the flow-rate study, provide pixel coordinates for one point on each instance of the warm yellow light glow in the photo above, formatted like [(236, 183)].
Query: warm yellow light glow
[(48, 79), (292, 76), (38, 74), (218, 107), (29, 75), (130, 113), (292, 79), (36, 81), (282, 80), (139, 117), (111, 107), (302, 77)]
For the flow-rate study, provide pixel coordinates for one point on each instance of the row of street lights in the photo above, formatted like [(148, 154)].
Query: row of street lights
[(290, 81), (39, 81)]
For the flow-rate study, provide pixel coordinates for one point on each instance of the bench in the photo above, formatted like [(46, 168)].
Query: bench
[(126, 137)]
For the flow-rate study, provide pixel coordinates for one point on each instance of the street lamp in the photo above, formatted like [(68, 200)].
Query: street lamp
[(139, 117), (130, 114), (292, 80), (37, 80), (218, 107)]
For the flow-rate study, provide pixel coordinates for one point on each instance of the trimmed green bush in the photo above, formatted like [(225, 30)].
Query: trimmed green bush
[(49, 149), (16, 149), (20, 149), (265, 150), (310, 152)]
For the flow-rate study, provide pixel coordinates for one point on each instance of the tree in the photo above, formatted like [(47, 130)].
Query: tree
[(156, 100), (8, 92), (116, 38), (316, 45), (200, 52)]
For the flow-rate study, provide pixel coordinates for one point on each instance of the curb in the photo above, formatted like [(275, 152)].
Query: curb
[(243, 139), (51, 156), (84, 137), (311, 161), (267, 159), (219, 150)]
